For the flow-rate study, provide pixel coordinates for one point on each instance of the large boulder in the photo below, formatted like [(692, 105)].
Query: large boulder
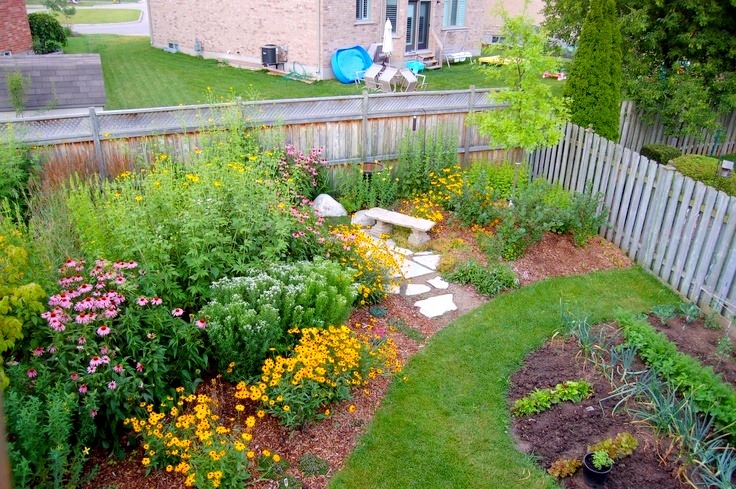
[(328, 207), (361, 219)]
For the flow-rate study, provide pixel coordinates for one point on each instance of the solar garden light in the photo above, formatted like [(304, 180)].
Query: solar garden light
[(726, 168)]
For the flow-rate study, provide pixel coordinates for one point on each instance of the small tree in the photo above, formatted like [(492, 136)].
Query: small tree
[(533, 116), (61, 6), (594, 85), (47, 33)]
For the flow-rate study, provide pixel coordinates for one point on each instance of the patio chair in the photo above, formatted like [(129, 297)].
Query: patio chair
[(369, 77), (386, 79), (410, 81)]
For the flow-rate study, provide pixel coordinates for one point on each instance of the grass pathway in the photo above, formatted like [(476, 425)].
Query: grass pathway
[(446, 426)]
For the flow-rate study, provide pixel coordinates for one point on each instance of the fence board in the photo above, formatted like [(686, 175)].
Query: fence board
[(704, 224), (637, 182), (626, 185), (642, 209), (708, 252), (675, 238), (691, 219)]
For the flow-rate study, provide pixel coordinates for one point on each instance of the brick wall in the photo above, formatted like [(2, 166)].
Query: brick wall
[(15, 34)]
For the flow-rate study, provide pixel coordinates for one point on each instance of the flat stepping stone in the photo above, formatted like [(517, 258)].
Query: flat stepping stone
[(424, 253), (429, 261), (409, 269), (400, 250), (436, 306), (438, 283), (416, 289), (394, 289)]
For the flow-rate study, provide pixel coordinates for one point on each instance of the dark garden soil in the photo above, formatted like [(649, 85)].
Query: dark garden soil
[(334, 439)]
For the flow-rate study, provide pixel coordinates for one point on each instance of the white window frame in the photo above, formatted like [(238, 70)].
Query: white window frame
[(453, 14), (362, 10)]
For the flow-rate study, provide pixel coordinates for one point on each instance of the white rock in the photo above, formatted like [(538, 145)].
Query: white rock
[(429, 261), (438, 283), (424, 253), (409, 269), (361, 219), (328, 207), (436, 306), (416, 289), (394, 289)]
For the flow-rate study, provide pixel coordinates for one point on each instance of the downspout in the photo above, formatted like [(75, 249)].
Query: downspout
[(320, 49), (150, 22)]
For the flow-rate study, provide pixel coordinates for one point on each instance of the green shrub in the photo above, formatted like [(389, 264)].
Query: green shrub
[(248, 317), (543, 399), (356, 190), (421, 154), (705, 169), (587, 214), (47, 33), (16, 168), (661, 153), (489, 280)]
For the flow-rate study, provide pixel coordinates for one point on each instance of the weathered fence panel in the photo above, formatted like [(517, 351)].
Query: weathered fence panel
[(635, 133), (679, 229)]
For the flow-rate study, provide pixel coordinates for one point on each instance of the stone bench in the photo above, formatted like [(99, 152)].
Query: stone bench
[(386, 220)]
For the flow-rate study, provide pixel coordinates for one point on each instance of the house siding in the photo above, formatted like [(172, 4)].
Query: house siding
[(312, 30), (15, 33)]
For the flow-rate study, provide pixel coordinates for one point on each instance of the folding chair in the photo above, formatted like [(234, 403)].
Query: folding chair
[(386, 79), (411, 81), (369, 77)]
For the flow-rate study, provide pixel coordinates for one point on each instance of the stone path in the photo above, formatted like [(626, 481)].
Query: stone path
[(420, 278)]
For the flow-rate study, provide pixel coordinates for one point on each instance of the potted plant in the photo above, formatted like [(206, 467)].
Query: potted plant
[(596, 467)]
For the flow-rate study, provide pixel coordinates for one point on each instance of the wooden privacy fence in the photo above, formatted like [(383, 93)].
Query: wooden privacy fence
[(351, 128), (681, 230), (635, 133)]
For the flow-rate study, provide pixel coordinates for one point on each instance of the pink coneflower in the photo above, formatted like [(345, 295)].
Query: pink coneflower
[(91, 369), (156, 301), (51, 349), (142, 301), (120, 280), (81, 340), (57, 325), (38, 351), (74, 376), (85, 318), (105, 359), (111, 312), (95, 361), (118, 368), (93, 413), (84, 288), (82, 389), (200, 323), (112, 385), (104, 350), (139, 367), (32, 373), (177, 312), (103, 330)]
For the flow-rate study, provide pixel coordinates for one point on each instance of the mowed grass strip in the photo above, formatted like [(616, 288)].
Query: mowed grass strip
[(138, 75), (447, 425), (101, 16)]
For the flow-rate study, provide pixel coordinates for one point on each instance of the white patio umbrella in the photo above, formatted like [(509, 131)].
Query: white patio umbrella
[(388, 42)]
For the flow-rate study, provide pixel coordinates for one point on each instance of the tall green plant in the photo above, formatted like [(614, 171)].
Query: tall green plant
[(532, 116), (18, 84), (421, 153), (594, 85)]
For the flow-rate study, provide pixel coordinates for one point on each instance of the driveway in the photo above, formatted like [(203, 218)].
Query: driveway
[(138, 28)]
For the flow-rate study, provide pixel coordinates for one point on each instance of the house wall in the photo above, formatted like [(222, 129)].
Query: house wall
[(15, 34)]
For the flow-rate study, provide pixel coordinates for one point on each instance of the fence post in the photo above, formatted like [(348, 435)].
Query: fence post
[(364, 126), (471, 107), (95, 126)]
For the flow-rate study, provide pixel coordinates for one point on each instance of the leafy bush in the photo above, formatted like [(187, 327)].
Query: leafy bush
[(705, 169), (585, 218), (249, 316), (710, 394), (46, 31), (191, 224), (420, 156), (489, 280), (661, 153), (324, 366), (357, 190), (16, 168)]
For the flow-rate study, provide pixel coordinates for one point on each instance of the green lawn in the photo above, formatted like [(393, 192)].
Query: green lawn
[(137, 75), (447, 425), (101, 16)]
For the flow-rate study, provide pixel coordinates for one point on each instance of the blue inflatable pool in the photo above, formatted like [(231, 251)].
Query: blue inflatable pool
[(347, 62)]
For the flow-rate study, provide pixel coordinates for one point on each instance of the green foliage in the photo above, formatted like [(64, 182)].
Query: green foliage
[(310, 464), (46, 31), (601, 460), (248, 317), (664, 312), (16, 168), (564, 467), (707, 390), (488, 280), (661, 153), (587, 214), (17, 84), (421, 154), (533, 117), (358, 190), (543, 399), (689, 311), (594, 84), (61, 6), (623, 445), (705, 169)]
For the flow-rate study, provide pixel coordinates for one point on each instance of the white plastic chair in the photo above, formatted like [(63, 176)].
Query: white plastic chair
[(369, 77)]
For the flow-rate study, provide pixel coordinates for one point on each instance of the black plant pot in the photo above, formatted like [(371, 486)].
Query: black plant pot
[(592, 476)]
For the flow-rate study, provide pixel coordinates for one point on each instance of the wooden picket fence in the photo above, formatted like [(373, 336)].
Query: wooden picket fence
[(681, 230)]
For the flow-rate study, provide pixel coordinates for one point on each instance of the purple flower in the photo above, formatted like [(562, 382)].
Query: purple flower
[(156, 301), (142, 301), (139, 367), (103, 330), (200, 323), (112, 385), (177, 312), (82, 389), (118, 368), (32, 373)]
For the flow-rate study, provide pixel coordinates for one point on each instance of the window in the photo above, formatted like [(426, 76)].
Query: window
[(454, 13), (361, 9), (392, 11)]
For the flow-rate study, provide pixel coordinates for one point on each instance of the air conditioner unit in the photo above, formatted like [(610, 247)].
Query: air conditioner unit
[(7, 53)]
